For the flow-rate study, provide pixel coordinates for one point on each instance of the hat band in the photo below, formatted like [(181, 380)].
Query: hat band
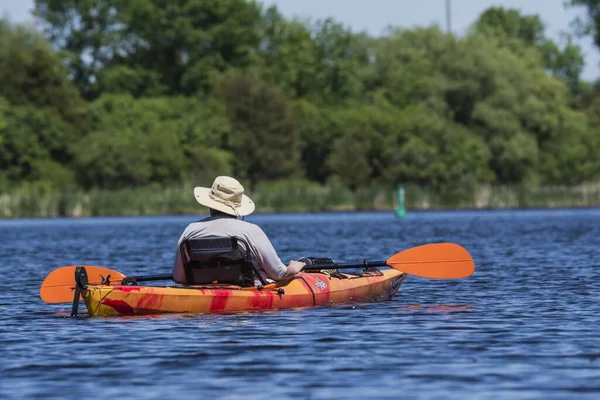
[(233, 204)]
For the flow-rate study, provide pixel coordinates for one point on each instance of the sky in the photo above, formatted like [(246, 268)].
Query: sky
[(373, 16)]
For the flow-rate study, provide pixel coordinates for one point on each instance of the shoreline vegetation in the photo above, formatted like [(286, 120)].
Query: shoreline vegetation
[(107, 118), (287, 196)]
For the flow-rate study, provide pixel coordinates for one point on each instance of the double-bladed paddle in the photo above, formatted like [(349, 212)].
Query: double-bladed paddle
[(437, 261)]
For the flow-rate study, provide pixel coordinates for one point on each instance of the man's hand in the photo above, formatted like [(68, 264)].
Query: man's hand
[(294, 268)]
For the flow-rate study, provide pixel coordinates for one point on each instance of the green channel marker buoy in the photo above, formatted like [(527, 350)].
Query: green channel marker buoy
[(400, 210)]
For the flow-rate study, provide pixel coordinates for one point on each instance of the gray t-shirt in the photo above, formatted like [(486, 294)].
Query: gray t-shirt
[(261, 251)]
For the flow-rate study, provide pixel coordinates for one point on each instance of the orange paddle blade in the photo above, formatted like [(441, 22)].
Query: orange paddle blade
[(438, 260), (58, 285)]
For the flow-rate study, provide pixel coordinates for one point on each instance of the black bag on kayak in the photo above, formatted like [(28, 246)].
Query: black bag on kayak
[(312, 261), (316, 261), (217, 260)]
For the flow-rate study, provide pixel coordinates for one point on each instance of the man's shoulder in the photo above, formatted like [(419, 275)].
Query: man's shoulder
[(205, 219), (194, 224), (235, 225), (248, 225)]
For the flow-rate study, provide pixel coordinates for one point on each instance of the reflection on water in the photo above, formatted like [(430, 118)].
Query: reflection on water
[(524, 326)]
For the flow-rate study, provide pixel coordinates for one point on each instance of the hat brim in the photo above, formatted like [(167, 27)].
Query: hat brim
[(202, 196)]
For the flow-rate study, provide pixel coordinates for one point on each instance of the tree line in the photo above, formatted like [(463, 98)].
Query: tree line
[(114, 94)]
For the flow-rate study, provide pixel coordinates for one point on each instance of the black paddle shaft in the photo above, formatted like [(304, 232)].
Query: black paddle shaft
[(146, 278), (362, 264), (132, 280)]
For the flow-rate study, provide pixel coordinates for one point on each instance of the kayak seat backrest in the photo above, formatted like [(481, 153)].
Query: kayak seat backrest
[(217, 260)]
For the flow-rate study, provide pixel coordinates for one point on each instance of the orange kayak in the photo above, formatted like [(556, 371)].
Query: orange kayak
[(305, 290)]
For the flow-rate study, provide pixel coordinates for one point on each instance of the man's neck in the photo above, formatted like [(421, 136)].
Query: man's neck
[(218, 214)]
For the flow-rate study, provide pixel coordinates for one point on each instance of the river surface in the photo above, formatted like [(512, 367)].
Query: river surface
[(525, 325)]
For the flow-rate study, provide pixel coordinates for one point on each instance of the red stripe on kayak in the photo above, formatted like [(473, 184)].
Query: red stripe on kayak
[(219, 300), (128, 289), (119, 305), (151, 301), (261, 300)]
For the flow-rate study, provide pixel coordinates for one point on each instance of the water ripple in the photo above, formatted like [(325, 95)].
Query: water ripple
[(524, 326)]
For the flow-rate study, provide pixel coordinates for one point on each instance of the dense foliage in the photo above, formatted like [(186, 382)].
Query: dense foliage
[(128, 93)]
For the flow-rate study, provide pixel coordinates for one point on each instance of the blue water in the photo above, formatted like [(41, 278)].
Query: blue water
[(525, 325)]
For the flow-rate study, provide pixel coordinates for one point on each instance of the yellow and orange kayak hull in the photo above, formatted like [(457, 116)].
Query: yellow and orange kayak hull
[(305, 290)]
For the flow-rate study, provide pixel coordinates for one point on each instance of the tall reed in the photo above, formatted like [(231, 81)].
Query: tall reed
[(38, 200)]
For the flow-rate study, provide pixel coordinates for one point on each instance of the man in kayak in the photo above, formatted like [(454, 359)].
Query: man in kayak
[(226, 201)]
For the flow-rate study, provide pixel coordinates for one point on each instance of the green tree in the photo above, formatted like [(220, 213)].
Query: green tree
[(35, 145), (42, 113), (429, 150), (288, 55), (590, 24), (509, 24), (406, 70), (499, 93), (172, 47), (89, 34), (31, 74), (316, 138), (153, 140), (264, 135), (348, 161), (340, 56)]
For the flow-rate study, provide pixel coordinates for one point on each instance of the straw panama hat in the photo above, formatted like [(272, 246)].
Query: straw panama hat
[(225, 195)]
